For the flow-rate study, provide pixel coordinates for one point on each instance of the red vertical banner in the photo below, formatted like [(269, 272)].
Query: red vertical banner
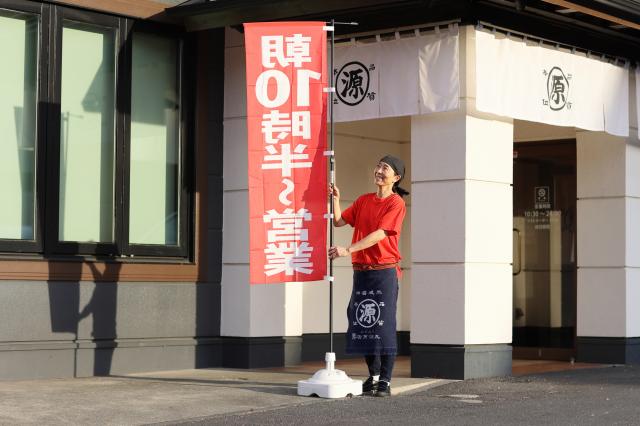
[(287, 138)]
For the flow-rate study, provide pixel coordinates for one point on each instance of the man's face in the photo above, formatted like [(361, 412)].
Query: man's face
[(384, 174)]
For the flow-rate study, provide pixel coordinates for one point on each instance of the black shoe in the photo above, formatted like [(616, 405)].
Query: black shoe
[(384, 388), (369, 386)]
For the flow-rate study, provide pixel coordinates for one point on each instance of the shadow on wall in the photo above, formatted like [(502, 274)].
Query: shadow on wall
[(91, 320)]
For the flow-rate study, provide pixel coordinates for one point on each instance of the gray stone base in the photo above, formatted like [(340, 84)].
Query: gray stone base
[(460, 362), (608, 350), (40, 360), (292, 350), (314, 346), (85, 358), (253, 352)]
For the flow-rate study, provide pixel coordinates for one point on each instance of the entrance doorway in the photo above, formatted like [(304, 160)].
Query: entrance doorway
[(544, 250)]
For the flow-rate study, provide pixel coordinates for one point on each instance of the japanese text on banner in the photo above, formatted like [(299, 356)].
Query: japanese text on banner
[(286, 120)]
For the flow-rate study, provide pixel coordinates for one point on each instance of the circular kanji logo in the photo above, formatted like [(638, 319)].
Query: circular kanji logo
[(557, 89), (352, 83), (368, 313)]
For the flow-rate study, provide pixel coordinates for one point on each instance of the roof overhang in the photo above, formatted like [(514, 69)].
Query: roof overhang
[(606, 26)]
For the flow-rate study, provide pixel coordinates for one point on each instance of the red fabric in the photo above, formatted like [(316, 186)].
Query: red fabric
[(286, 117), (370, 213)]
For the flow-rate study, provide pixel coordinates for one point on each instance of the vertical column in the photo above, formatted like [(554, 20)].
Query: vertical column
[(462, 216), (608, 168), (255, 319), (461, 246)]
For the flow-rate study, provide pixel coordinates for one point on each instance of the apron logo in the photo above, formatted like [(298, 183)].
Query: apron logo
[(557, 89), (368, 313), (352, 83)]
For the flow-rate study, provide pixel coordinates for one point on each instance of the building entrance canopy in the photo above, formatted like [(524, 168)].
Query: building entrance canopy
[(529, 82), (407, 76), (517, 79)]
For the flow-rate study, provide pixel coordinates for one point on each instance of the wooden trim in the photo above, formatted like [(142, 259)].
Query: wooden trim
[(200, 129), (79, 270), (133, 8), (592, 12)]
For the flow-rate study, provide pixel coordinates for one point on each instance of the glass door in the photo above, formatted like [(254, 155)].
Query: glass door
[(544, 245)]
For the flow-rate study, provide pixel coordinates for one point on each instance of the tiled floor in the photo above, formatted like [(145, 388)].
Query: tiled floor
[(402, 369)]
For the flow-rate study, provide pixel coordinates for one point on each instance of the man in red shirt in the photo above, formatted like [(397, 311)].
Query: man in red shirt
[(377, 221)]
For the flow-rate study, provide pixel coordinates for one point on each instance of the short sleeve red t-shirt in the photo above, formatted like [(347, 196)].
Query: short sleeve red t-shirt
[(370, 213)]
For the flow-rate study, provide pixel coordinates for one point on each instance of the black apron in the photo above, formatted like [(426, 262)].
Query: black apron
[(372, 313)]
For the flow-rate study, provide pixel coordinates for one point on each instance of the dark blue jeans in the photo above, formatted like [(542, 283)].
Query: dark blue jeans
[(382, 365)]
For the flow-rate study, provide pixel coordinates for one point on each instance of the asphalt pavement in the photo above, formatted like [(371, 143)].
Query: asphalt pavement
[(599, 396)]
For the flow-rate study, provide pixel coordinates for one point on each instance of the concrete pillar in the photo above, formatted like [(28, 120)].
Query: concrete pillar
[(461, 319), (608, 328), (263, 323)]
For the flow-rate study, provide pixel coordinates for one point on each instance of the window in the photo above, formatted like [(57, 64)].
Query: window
[(93, 157), (154, 150), (87, 134), (18, 85)]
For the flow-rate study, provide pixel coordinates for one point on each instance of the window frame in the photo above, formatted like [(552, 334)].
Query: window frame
[(184, 69), (41, 11), (53, 244), (47, 169)]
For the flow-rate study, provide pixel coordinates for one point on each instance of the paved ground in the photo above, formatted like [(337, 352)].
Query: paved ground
[(594, 396), (600, 396), (157, 397)]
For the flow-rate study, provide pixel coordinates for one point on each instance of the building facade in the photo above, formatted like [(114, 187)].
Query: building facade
[(124, 237)]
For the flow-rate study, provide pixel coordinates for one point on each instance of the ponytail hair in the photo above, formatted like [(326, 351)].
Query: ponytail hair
[(399, 190)]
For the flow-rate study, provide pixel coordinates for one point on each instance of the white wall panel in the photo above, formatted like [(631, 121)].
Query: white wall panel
[(235, 155), (315, 299), (438, 221), (235, 237), (437, 304), (403, 316), (601, 170), (293, 305), (601, 302), (632, 234), (435, 153), (235, 306), (633, 298), (601, 232), (267, 304), (632, 174), (488, 301), (489, 150), (489, 213)]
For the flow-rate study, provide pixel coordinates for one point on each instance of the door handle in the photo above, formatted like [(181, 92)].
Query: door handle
[(517, 261)]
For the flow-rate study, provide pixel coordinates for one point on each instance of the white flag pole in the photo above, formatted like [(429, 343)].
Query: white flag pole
[(329, 382)]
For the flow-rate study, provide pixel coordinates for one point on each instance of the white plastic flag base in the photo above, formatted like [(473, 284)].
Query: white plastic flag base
[(329, 382)]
